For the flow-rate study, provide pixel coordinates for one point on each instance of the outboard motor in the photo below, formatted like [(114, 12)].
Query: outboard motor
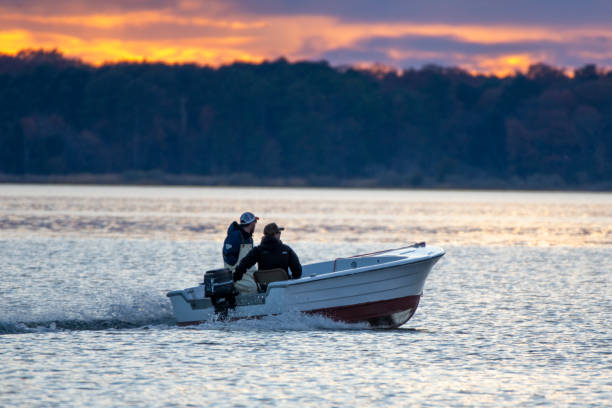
[(219, 287)]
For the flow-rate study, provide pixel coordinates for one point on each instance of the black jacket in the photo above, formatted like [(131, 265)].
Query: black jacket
[(270, 254)]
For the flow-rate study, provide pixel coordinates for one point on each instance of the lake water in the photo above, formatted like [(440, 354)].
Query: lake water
[(517, 313)]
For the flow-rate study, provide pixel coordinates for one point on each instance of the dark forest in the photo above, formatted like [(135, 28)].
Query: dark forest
[(304, 123)]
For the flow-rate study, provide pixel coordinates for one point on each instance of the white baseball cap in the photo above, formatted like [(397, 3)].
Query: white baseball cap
[(247, 218)]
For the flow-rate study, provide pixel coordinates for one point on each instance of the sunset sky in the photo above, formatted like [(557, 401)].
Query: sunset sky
[(479, 35)]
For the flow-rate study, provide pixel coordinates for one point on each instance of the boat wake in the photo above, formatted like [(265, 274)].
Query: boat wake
[(285, 322), (146, 310), (290, 321), (140, 309)]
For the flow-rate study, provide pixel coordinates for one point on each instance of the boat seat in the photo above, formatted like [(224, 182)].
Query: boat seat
[(265, 277)]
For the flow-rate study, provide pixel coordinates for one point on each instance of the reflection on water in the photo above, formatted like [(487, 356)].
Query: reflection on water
[(86, 322), (311, 215), (504, 320)]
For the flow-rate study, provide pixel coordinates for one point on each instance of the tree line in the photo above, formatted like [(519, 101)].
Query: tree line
[(306, 120)]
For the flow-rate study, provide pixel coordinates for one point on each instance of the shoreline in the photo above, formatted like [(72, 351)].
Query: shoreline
[(394, 182)]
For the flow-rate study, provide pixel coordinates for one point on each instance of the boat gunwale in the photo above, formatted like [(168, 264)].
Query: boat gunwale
[(347, 272)]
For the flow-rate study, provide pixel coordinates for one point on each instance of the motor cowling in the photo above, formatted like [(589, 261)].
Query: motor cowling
[(218, 282), (219, 287)]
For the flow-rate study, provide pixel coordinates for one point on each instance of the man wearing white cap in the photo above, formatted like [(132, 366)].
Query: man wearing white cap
[(238, 243)]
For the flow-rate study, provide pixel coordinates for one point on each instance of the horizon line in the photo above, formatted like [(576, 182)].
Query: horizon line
[(376, 68)]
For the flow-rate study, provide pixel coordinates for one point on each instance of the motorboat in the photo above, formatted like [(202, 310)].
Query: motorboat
[(381, 288)]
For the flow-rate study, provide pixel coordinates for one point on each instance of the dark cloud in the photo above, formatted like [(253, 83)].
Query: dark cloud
[(448, 44), (354, 55), (351, 56), (67, 7), (447, 50), (545, 12), (532, 12)]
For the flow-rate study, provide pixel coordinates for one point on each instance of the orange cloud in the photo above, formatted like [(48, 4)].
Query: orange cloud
[(214, 51), (98, 38), (504, 65)]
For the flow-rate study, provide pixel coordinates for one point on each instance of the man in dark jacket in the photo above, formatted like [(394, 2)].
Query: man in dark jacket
[(271, 254)]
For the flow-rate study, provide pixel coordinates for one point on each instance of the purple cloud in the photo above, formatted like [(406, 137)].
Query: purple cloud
[(447, 50), (546, 12)]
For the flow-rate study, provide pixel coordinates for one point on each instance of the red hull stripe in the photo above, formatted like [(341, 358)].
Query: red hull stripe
[(365, 311), (361, 312)]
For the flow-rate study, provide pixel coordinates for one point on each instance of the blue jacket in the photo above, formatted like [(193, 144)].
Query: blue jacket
[(231, 246)]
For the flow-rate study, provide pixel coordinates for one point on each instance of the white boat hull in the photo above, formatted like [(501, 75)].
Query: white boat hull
[(382, 289)]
